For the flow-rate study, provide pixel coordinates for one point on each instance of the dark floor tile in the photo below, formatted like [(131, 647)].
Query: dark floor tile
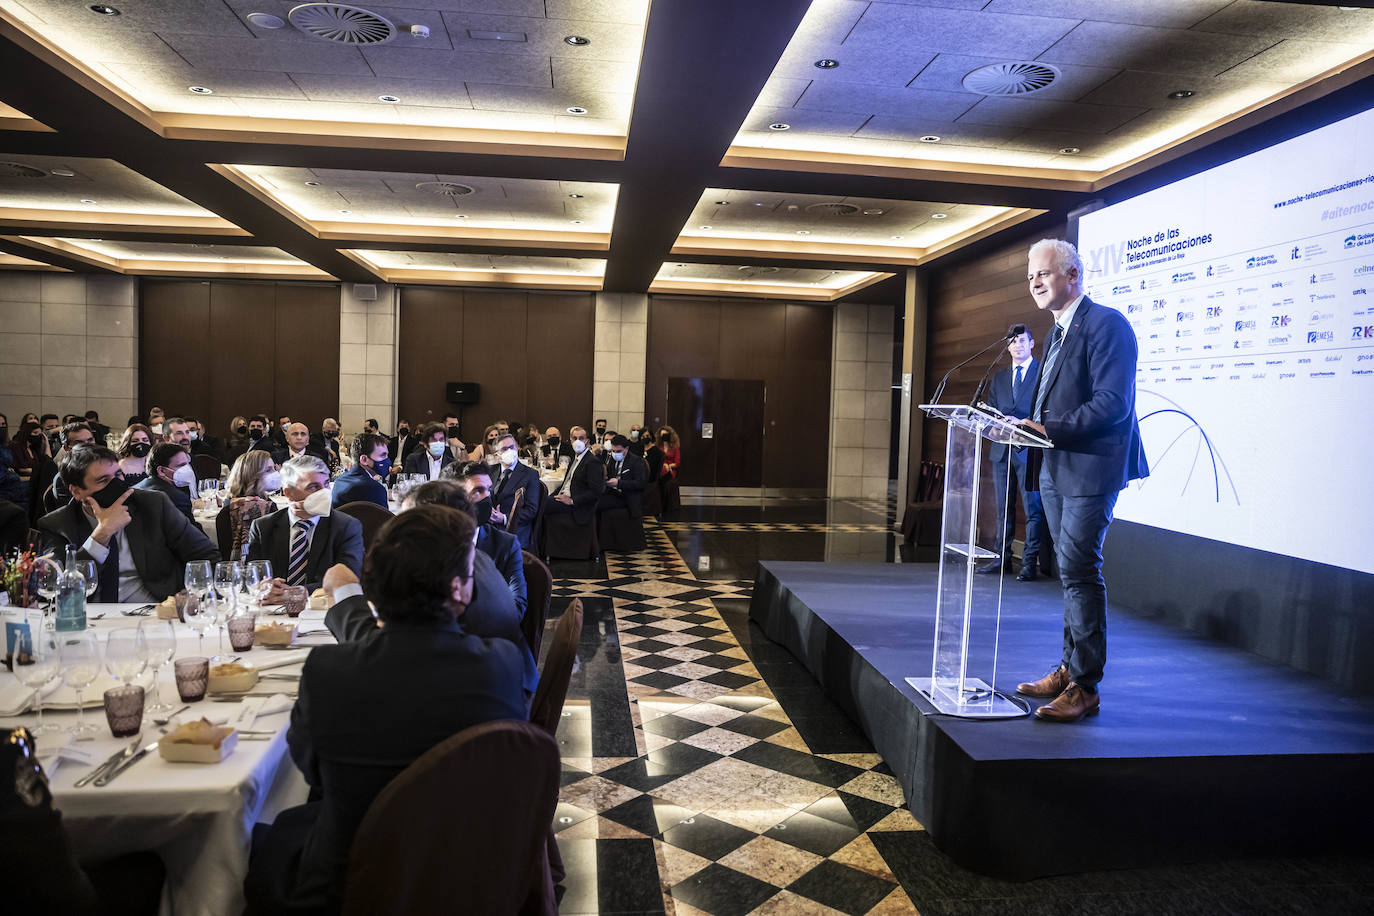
[(659, 680), (703, 630), (696, 618), (842, 888), (674, 727), (722, 662), (753, 725), (651, 645), (650, 816), (711, 645), (852, 811), (732, 679), (723, 891), (646, 630), (661, 766), (708, 837), (655, 661), (830, 735), (794, 763), (812, 833), (743, 704)]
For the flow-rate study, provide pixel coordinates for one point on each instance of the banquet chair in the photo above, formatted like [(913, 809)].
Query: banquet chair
[(565, 539), (619, 531), (462, 829), (205, 467), (538, 594), (653, 500), (370, 515), (547, 707), (512, 517), (537, 530), (224, 532)]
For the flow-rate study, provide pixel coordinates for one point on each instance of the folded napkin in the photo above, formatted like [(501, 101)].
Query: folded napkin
[(252, 707), (16, 699), (55, 755), (280, 659), (312, 615)]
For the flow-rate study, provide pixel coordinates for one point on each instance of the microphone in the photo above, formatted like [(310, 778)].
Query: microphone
[(1014, 331)]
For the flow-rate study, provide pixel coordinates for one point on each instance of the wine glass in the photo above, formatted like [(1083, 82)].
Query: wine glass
[(40, 648), (88, 569), (199, 617), (264, 578), (198, 573), (251, 575), (126, 653), (79, 654), (48, 575), (159, 645), (228, 581)]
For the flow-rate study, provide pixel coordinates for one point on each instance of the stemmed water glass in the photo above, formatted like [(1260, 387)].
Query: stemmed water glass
[(40, 648), (159, 645), (198, 618), (126, 653), (48, 575), (88, 569), (264, 577), (80, 656), (228, 581), (252, 582), (197, 578)]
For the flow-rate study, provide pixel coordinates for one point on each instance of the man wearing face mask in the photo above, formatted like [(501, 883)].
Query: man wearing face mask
[(637, 440), (599, 439), (626, 475), (156, 422), (582, 485), (328, 443), (510, 475), (434, 454), (139, 541), (366, 480), (202, 443), (70, 436), (455, 445), (402, 444), (169, 473), (305, 539), (264, 441), (554, 448)]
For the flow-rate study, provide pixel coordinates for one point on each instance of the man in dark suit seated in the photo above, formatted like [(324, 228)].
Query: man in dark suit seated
[(140, 542), (71, 435), (202, 443), (509, 476), (169, 473), (1010, 393), (583, 484), (305, 539), (626, 474), (555, 449), (1085, 404), (467, 487), (366, 480), (432, 455), (419, 670)]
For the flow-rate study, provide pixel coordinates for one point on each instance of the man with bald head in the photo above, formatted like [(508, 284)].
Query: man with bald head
[(555, 448)]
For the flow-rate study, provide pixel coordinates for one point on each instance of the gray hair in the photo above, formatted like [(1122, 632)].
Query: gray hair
[(1065, 256), (296, 468)]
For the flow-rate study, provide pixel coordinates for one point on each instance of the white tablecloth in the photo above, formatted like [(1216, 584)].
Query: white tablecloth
[(197, 817)]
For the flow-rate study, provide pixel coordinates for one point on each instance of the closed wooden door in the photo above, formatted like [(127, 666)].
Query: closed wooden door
[(720, 423)]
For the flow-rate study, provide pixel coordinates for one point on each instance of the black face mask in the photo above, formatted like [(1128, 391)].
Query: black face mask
[(113, 490), (140, 449), (403, 431), (255, 434), (453, 432), (241, 430), (482, 509), (334, 434), (554, 441)]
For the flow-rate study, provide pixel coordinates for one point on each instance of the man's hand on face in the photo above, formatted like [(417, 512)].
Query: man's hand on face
[(110, 521)]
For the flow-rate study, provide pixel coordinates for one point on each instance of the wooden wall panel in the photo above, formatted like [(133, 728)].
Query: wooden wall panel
[(559, 333), (174, 350), (799, 414), (429, 351), (494, 354), (307, 368), (683, 341), (243, 360)]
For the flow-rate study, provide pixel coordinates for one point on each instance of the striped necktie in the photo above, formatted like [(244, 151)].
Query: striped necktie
[(300, 548), (1016, 384), (1047, 371)]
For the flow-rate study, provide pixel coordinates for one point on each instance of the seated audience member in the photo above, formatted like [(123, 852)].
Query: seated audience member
[(626, 476), (13, 489), (133, 449), (328, 443), (250, 480), (102, 432), (467, 495), (487, 450), (653, 456), (366, 480), (156, 422), (402, 444), (51, 424), (278, 431), (600, 427), (582, 485), (555, 448), (508, 476), (420, 577), (455, 445), (305, 539), (637, 440), (71, 436), (29, 447), (138, 539), (298, 444), (433, 455), (177, 431), (169, 473), (202, 443), (263, 440), (237, 442)]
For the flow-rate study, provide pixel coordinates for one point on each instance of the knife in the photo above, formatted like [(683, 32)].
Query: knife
[(114, 758), (120, 767)]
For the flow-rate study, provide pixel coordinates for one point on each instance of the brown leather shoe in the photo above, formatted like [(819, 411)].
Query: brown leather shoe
[(1051, 685), (1070, 706)]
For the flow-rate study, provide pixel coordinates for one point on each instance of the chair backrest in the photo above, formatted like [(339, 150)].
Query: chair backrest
[(547, 707), (537, 532), (224, 533), (370, 515), (538, 594), (511, 523), (462, 829), (205, 467)]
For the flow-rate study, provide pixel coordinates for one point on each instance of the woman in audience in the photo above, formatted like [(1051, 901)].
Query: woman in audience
[(29, 447), (653, 455), (237, 442), (672, 451), (133, 450), (486, 451), (252, 477), (29, 417)]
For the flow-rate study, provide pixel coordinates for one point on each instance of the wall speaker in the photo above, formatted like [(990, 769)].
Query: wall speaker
[(463, 392), (367, 292)]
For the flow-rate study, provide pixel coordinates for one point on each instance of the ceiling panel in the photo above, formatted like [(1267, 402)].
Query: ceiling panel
[(176, 258), (762, 280), (520, 271), (95, 186)]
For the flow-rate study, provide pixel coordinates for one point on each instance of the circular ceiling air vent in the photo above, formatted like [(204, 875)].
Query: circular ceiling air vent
[(757, 271), (832, 208), (1011, 78), (445, 188), (350, 25), (20, 170)]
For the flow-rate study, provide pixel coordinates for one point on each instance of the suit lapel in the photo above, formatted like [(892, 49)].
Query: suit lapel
[(1073, 340), (134, 534), (321, 535)]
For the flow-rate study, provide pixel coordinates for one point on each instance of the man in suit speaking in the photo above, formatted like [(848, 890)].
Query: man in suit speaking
[(1011, 394), (1085, 404)]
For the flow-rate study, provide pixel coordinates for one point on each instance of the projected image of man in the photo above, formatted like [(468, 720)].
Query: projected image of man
[(1085, 404)]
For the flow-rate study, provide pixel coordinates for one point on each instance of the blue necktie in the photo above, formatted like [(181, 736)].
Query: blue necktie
[(1047, 371), (1016, 384)]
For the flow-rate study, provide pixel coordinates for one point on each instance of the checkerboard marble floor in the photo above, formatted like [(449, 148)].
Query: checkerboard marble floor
[(739, 814)]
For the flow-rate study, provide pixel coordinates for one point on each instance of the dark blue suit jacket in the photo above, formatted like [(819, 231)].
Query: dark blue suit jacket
[(999, 396), (356, 485), (180, 496), (1089, 410), (504, 551), (522, 475)]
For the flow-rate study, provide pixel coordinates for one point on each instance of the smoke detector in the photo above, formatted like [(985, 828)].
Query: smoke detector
[(338, 22), (20, 170), (445, 188), (1011, 78), (832, 208)]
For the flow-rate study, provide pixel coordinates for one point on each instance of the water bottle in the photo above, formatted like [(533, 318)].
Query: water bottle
[(71, 596)]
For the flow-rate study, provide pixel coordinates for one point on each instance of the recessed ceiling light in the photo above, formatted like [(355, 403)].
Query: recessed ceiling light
[(897, 236), (577, 41), (201, 90), (345, 211), (103, 10), (930, 138), (575, 196), (460, 216), (722, 203), (803, 232), (87, 200), (826, 63), (63, 173), (703, 227), (873, 211), (266, 20), (759, 203), (577, 109), (387, 98), (575, 222), (939, 216), (1182, 94), (779, 126), (312, 184), (1070, 150)]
